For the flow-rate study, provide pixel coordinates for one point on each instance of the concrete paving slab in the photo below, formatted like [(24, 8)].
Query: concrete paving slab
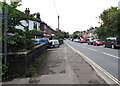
[(56, 79), (18, 81)]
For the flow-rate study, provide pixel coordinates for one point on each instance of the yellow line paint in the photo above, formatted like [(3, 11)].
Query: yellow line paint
[(96, 65)]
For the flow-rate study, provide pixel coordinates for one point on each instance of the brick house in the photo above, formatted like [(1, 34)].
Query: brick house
[(49, 32), (89, 33), (37, 24)]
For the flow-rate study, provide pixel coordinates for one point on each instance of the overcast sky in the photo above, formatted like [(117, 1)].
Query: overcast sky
[(75, 15)]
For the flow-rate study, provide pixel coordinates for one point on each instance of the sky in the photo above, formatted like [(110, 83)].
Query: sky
[(75, 15)]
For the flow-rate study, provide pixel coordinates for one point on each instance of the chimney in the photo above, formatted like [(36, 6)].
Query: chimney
[(38, 16), (27, 11)]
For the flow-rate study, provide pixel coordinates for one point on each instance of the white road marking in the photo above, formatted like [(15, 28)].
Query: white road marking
[(110, 55), (92, 49)]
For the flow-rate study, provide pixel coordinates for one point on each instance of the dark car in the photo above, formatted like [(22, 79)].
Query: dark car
[(112, 42), (98, 42)]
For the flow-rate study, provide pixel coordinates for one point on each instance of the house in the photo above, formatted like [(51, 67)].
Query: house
[(89, 33), (31, 24), (48, 31), (37, 24)]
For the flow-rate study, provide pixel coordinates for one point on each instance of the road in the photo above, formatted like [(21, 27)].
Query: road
[(107, 58)]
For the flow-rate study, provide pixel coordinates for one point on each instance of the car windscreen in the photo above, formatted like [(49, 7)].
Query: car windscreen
[(99, 40), (42, 40)]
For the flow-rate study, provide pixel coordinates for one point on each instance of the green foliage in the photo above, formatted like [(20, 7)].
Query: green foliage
[(110, 22), (60, 41), (21, 39), (31, 71), (76, 34), (61, 34), (4, 69), (35, 32)]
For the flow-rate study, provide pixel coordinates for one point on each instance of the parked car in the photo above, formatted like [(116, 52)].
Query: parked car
[(54, 43), (82, 40), (113, 42), (76, 40), (97, 42), (38, 41), (90, 41)]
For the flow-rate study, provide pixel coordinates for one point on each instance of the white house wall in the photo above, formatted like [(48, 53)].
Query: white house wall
[(30, 25), (23, 22), (38, 26)]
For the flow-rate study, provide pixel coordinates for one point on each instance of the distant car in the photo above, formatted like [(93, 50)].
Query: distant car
[(113, 42), (97, 42), (38, 41), (76, 40), (82, 40), (90, 41), (54, 43)]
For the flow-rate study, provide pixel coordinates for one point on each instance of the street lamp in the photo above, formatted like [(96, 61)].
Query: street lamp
[(58, 22), (5, 31)]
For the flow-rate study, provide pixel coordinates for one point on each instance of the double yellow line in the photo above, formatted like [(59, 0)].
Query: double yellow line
[(96, 65)]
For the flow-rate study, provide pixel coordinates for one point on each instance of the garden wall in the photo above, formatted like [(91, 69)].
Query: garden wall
[(19, 62)]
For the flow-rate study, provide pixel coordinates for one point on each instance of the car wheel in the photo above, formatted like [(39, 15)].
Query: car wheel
[(104, 45), (113, 47)]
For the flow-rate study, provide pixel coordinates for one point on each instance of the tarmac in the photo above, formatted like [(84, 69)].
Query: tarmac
[(62, 66)]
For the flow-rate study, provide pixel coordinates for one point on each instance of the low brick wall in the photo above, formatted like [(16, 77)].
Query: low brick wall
[(19, 62)]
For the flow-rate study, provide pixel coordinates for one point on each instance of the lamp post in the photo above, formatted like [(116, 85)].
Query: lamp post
[(58, 22), (5, 30)]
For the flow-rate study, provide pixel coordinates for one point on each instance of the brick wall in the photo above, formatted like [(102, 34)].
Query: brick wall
[(19, 62)]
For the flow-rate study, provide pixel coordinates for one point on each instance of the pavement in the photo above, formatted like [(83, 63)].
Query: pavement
[(63, 66)]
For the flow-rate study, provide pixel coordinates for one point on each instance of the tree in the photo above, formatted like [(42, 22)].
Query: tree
[(61, 34), (110, 21), (21, 39), (76, 34)]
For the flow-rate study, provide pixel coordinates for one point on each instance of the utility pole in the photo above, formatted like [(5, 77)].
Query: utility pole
[(58, 23), (5, 30)]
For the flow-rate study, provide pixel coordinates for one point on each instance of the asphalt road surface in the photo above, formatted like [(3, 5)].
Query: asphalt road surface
[(107, 58)]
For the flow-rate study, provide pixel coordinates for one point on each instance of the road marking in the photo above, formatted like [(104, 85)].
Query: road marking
[(110, 55), (92, 49), (96, 65)]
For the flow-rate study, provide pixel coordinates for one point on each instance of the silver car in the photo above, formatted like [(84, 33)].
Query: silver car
[(54, 43)]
